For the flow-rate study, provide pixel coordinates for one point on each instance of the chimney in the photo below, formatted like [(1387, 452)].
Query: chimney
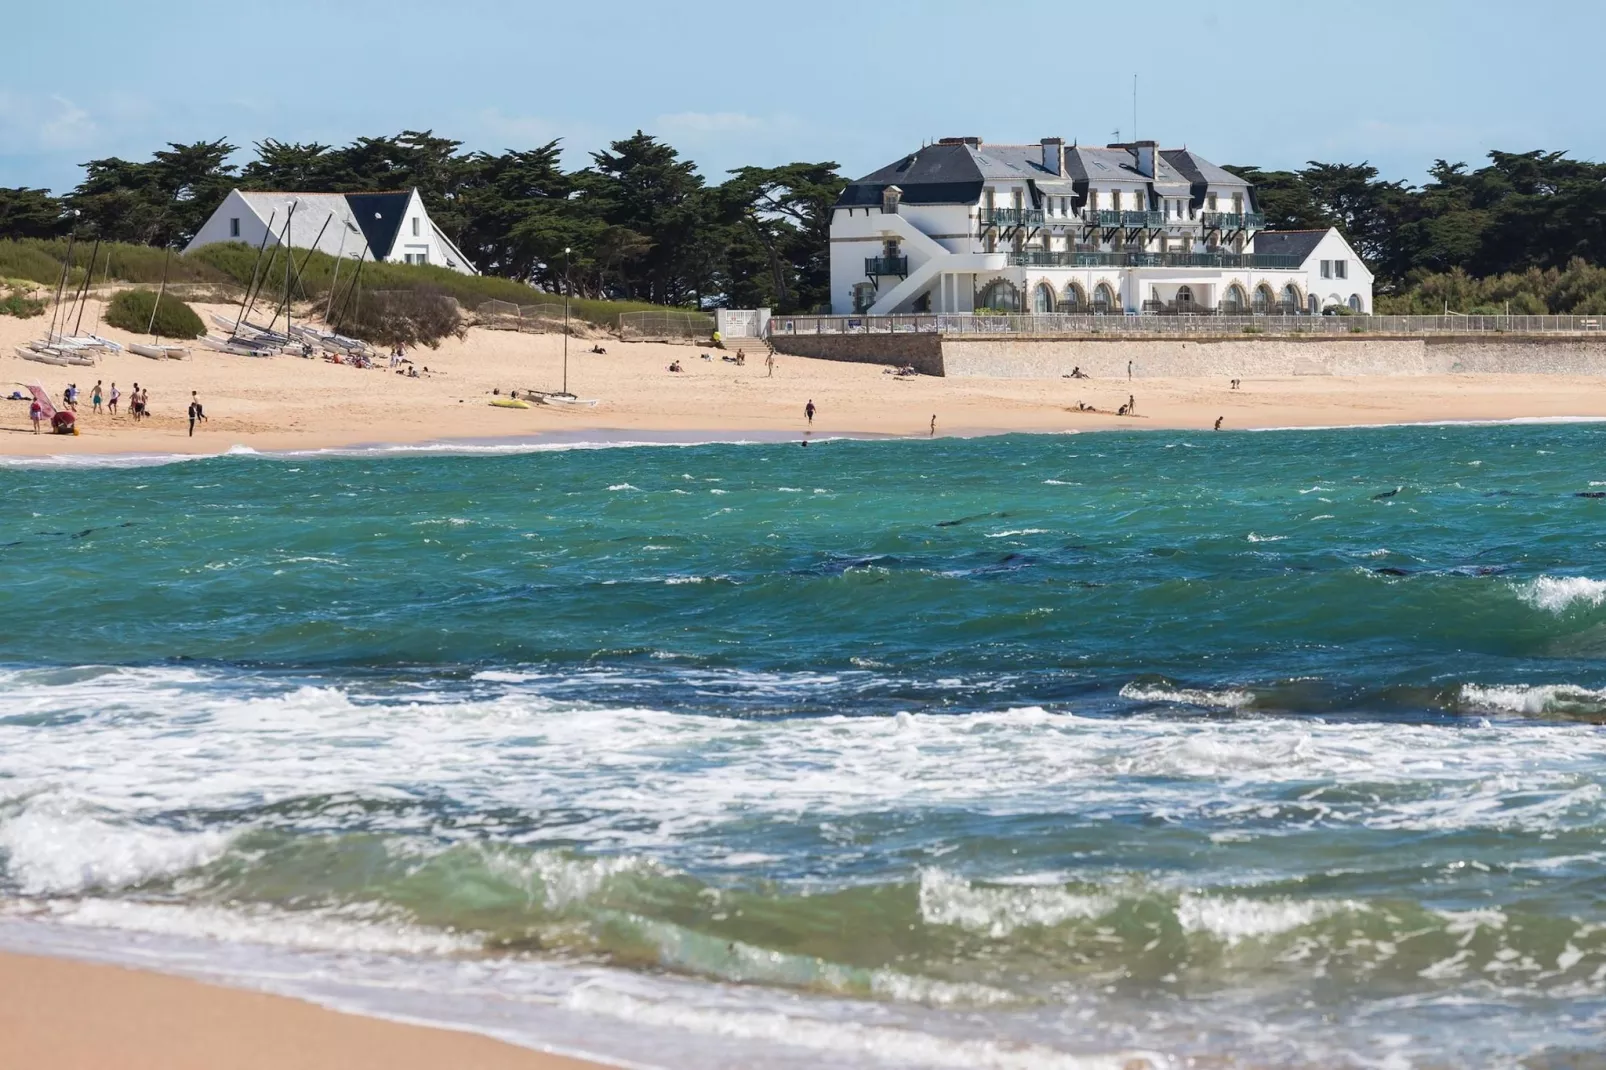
[(1145, 151), (889, 200), (1054, 155)]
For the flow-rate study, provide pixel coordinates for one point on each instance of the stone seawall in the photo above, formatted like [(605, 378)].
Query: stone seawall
[(923, 351), (1024, 357)]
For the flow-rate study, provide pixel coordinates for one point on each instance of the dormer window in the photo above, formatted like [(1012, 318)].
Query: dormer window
[(1210, 202)]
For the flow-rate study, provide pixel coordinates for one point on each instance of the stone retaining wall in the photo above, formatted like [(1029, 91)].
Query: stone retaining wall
[(924, 351), (1024, 357)]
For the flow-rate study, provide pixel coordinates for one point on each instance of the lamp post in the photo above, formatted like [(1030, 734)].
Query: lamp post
[(565, 321)]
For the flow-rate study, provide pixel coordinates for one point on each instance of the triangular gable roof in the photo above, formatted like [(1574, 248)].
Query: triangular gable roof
[(380, 216)]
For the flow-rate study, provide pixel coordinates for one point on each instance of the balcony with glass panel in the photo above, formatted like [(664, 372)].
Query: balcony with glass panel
[(1233, 220), (1011, 217)]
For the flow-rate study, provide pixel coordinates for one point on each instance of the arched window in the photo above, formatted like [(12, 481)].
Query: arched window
[(1355, 304), (1264, 300), (1075, 299), (1043, 299), (1103, 298), (1185, 299), (1290, 300), (1233, 303), (1000, 294), (1314, 304)]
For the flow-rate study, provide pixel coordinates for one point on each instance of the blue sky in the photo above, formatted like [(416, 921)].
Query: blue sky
[(1396, 82)]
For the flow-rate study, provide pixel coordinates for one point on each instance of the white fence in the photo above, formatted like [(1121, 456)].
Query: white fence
[(666, 326), (1072, 325), (543, 318)]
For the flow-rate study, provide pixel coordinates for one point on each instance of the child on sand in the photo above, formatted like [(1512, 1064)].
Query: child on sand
[(36, 413)]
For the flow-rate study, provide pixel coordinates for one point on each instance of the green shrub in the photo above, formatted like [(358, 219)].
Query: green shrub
[(404, 317), (131, 310), (18, 300), (316, 276)]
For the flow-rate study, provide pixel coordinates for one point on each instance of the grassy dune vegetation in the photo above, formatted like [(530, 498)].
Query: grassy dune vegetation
[(229, 267)]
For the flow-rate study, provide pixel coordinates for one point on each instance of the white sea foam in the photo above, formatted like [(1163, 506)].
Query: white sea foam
[(1558, 594), (1266, 538), (947, 899), (1233, 919), (1021, 531), (1532, 699), (305, 931), (845, 1040), (51, 850), (1224, 699), (623, 486)]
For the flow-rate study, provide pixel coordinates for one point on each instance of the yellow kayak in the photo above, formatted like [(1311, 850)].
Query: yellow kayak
[(510, 403)]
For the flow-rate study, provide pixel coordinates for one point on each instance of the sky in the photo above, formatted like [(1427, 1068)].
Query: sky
[(1399, 83)]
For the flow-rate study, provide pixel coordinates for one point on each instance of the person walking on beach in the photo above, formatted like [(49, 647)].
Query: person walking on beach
[(133, 403), (933, 425), (1129, 369), (94, 398), (1131, 405), (769, 362), (111, 400), (196, 412), (808, 411)]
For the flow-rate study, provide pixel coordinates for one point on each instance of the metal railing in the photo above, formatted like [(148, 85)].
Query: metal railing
[(1205, 323), (1094, 258), (1233, 220), (1011, 217), (886, 265), (1099, 217), (1142, 220), (1074, 258)]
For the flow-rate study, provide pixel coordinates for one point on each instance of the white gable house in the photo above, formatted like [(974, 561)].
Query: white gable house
[(1132, 229), (391, 227), (1334, 275)]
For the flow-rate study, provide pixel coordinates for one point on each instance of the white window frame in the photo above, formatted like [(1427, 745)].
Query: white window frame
[(1327, 269), (1340, 269)]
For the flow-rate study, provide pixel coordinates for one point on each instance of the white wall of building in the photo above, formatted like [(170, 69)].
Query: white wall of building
[(1324, 283)]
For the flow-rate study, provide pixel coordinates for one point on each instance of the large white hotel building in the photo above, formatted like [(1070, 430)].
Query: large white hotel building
[(961, 226)]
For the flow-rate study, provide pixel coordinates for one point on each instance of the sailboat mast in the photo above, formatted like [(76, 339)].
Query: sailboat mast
[(61, 288), (83, 293), (251, 289), (151, 327)]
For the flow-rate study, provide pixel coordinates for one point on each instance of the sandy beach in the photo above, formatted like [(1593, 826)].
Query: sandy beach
[(139, 1020), (289, 403)]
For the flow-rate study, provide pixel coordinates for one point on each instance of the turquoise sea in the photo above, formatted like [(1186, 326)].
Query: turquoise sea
[(1101, 750)]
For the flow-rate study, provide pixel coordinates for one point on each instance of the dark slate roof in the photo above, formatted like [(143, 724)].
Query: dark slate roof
[(955, 173), (380, 217), (1300, 243), (1195, 168), (937, 174)]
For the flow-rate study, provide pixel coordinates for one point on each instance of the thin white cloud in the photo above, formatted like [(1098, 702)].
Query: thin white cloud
[(30, 122)]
